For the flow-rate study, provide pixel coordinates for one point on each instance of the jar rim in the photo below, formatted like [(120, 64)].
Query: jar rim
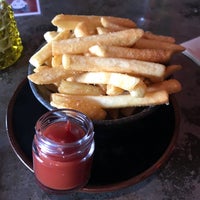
[(68, 114)]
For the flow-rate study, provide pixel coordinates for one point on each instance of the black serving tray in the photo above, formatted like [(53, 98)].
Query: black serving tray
[(124, 155)]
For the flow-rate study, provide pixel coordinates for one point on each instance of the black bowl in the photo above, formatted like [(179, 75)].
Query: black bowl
[(42, 94)]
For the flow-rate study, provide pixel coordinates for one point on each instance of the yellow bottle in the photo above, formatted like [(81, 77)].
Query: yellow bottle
[(10, 41)]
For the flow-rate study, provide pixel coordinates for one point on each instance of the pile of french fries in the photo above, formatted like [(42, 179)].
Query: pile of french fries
[(105, 66)]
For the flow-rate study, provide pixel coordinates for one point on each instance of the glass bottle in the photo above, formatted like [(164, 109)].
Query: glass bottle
[(10, 41), (63, 148)]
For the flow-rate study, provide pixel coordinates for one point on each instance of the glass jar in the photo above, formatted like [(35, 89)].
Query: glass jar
[(63, 147), (10, 41)]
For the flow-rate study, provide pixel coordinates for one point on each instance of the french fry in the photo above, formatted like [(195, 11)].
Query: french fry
[(122, 81), (139, 90), (102, 30), (40, 68), (41, 56), (50, 35), (103, 87), (68, 87), (50, 88), (87, 106), (104, 66), (150, 55), (162, 38), (81, 45), (69, 22), (45, 52), (155, 44), (56, 61), (48, 62), (82, 29), (171, 86), (154, 71), (48, 75), (113, 90), (122, 101), (171, 69), (107, 21)]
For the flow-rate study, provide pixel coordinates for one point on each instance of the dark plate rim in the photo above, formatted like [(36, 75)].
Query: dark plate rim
[(157, 165), (109, 187), (10, 132)]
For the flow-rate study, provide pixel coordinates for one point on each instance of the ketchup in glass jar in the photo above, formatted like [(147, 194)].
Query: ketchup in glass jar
[(63, 148)]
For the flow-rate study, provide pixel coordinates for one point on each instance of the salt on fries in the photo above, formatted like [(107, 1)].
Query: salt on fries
[(103, 65)]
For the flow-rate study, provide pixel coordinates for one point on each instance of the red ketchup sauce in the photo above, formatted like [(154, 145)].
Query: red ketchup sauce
[(60, 160), (64, 132)]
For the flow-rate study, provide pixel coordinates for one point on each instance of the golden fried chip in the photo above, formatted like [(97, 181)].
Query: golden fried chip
[(48, 75), (122, 101), (122, 81), (92, 63), (150, 55), (81, 45), (83, 29), (50, 35), (68, 87), (108, 22), (87, 106), (45, 52), (155, 44), (162, 38), (171, 69), (171, 86), (113, 90), (69, 22), (154, 71)]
